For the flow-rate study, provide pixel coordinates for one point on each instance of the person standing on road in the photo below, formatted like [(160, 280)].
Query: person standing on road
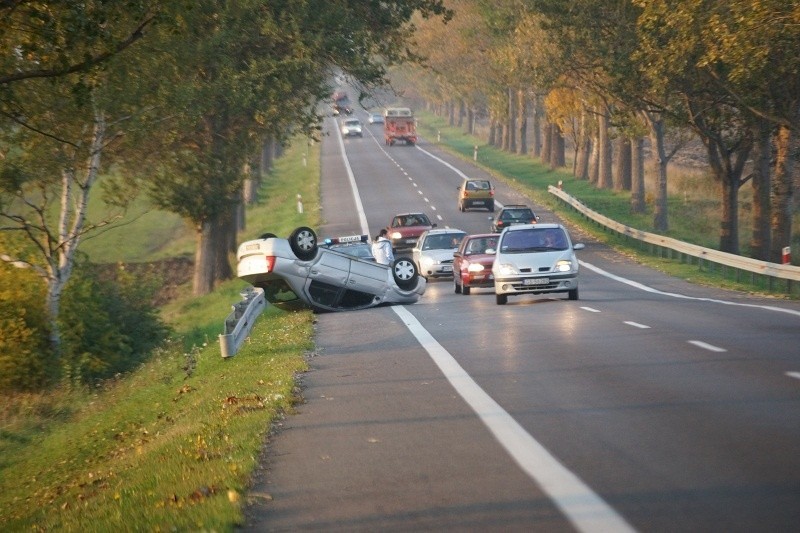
[(382, 248)]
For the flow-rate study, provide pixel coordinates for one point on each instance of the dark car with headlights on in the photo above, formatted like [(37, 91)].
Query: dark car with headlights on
[(405, 229), (510, 215), (472, 262)]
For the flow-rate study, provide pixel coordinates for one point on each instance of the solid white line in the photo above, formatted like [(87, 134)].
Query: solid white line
[(362, 217), (644, 287), (637, 325), (581, 506), (451, 167), (706, 346), (795, 375)]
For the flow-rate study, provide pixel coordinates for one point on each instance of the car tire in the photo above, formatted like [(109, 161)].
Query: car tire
[(303, 242), (502, 299), (405, 273), (573, 294), (465, 290)]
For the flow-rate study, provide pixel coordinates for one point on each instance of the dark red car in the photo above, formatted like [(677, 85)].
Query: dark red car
[(405, 229), (472, 262)]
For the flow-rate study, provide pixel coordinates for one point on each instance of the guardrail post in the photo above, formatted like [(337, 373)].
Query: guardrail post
[(240, 322)]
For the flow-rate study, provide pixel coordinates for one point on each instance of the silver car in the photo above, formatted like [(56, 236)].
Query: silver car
[(433, 252), (535, 259), (298, 271)]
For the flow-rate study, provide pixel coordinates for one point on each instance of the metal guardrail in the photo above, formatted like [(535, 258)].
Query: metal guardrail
[(789, 273), (240, 322)]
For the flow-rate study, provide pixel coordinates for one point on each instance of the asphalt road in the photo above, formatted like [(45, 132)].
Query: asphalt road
[(650, 404)]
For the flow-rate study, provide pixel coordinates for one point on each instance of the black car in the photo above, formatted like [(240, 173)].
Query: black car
[(510, 215)]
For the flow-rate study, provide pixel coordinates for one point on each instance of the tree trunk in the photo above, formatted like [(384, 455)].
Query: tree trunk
[(557, 148), (511, 146), (536, 126), (660, 160), (267, 151), (583, 149), (451, 113), (782, 191), (605, 179), (523, 122), (594, 162), (492, 140), (728, 166), (460, 118), (203, 280), (470, 121), (622, 174), (547, 139), (637, 176), (762, 154)]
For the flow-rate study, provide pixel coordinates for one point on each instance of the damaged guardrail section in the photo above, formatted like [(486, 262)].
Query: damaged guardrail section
[(239, 323)]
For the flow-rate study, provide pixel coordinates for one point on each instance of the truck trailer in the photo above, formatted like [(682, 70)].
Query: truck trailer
[(399, 125)]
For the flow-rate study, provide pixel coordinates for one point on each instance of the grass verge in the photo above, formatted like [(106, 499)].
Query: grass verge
[(171, 447)]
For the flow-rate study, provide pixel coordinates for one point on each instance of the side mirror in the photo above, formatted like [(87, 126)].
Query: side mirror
[(456, 254), (433, 225)]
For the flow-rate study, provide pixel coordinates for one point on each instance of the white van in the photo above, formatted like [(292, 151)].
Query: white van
[(535, 259)]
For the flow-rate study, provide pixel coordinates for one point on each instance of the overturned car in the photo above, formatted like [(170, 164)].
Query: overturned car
[(298, 270)]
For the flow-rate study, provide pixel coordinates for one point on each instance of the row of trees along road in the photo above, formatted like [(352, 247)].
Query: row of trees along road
[(604, 71), (169, 98)]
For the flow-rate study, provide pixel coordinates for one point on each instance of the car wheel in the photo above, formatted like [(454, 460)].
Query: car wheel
[(502, 299), (465, 290), (405, 273), (303, 242), (573, 294)]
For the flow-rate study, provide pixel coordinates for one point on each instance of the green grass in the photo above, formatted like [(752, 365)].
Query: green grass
[(693, 208), (173, 446)]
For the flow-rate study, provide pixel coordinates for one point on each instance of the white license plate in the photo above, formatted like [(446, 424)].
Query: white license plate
[(447, 269), (477, 202), (535, 281)]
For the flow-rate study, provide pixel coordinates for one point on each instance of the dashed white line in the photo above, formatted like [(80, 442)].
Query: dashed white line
[(590, 309), (795, 375), (637, 325), (706, 346)]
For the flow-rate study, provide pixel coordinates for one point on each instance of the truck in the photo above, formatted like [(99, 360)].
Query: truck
[(399, 125)]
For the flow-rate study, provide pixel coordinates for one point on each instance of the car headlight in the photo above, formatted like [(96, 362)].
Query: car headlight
[(564, 265), (475, 267), (428, 262), (506, 269), (396, 235)]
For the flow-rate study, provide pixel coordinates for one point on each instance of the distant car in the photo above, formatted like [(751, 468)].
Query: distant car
[(535, 259), (298, 271), (405, 229), (375, 118), (510, 215), (351, 127), (475, 193), (472, 262), (434, 251)]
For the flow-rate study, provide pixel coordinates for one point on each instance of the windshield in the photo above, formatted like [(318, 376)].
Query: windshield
[(445, 241), (534, 240)]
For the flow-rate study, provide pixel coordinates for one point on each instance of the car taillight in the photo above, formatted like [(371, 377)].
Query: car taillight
[(491, 193), (270, 263)]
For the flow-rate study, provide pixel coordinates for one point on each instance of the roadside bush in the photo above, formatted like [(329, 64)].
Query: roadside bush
[(26, 363), (108, 324)]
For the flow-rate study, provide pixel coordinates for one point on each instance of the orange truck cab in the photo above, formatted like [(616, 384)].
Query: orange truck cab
[(399, 125)]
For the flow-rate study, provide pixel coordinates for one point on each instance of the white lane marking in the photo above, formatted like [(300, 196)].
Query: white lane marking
[(637, 325), (451, 167), (706, 346), (582, 507), (795, 375), (362, 217), (644, 287), (590, 309)]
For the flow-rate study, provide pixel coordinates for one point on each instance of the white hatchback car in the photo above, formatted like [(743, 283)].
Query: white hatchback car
[(298, 271), (351, 127), (434, 251), (535, 259)]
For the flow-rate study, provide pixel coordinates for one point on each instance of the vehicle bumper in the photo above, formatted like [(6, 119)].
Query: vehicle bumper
[(479, 280), (535, 284)]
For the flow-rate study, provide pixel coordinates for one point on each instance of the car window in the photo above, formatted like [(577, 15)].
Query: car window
[(442, 242), (524, 241)]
